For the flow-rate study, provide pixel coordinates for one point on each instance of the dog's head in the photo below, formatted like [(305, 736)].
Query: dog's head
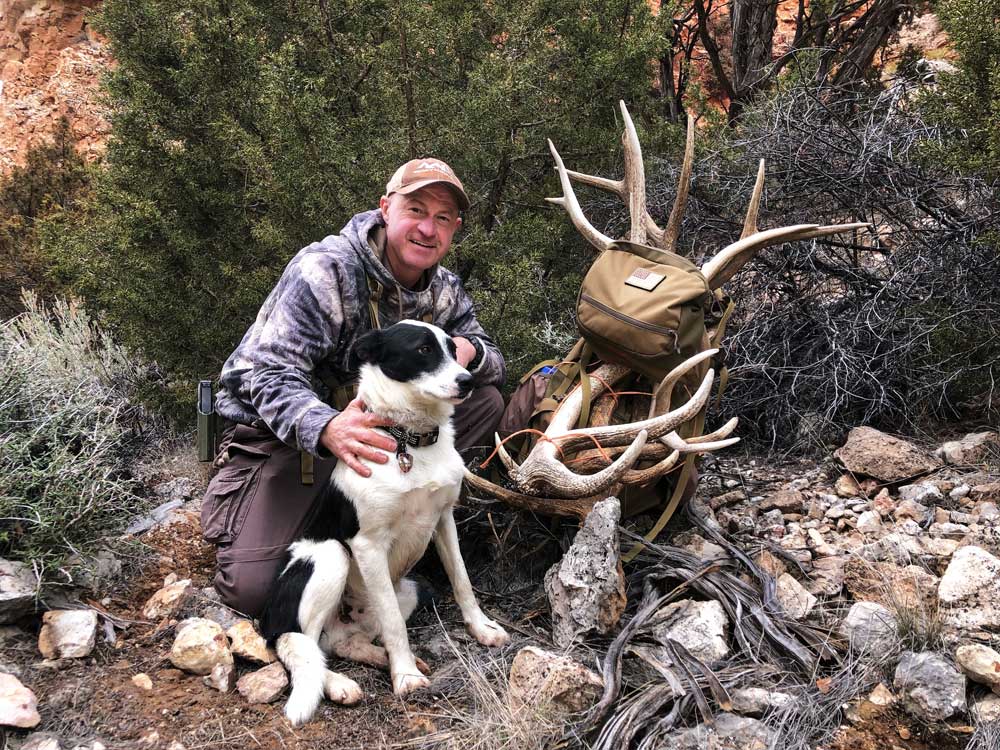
[(417, 356)]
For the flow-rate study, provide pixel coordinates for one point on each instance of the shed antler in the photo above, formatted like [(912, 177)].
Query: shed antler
[(543, 473)]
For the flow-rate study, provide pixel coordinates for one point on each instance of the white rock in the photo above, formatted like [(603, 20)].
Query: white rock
[(795, 600), (586, 589), (971, 568), (265, 685), (981, 664), (755, 701), (931, 688), (41, 741), (923, 493), (869, 522), (698, 626), (727, 732), (987, 709), (142, 681), (222, 677), (18, 705), (199, 645), (959, 492), (67, 633), (168, 600), (869, 627), (542, 679), (971, 449)]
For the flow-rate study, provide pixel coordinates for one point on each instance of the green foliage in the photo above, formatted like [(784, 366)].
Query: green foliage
[(967, 102), (53, 179), (244, 130), (69, 435)]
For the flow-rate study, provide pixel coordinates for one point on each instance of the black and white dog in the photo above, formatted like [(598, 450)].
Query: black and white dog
[(344, 578)]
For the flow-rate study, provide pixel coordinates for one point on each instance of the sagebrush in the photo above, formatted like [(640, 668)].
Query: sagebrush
[(70, 435)]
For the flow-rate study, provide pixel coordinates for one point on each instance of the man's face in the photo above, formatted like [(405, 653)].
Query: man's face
[(419, 228)]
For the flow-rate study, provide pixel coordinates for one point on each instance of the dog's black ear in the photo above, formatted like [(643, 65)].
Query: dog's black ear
[(367, 347)]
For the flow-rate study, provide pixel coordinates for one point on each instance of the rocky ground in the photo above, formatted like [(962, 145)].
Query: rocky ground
[(848, 605)]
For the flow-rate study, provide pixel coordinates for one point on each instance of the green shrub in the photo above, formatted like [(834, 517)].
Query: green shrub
[(70, 433)]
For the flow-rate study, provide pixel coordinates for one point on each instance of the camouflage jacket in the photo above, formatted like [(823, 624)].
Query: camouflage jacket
[(309, 322)]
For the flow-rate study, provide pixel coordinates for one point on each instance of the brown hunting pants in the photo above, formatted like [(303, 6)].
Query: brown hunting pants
[(256, 505)]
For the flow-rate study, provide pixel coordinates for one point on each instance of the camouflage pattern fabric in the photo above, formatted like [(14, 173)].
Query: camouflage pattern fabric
[(308, 324)]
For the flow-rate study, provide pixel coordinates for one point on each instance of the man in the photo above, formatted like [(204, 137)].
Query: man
[(381, 268)]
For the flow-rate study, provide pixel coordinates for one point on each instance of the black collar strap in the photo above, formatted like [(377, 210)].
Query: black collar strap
[(413, 439)]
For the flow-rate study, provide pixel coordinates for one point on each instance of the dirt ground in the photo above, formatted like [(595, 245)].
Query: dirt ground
[(94, 698)]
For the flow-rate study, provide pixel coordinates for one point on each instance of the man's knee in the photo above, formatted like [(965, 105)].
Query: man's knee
[(476, 419), (245, 585)]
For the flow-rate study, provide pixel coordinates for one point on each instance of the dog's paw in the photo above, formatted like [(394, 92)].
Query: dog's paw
[(301, 706), (341, 689), (488, 632), (404, 684)]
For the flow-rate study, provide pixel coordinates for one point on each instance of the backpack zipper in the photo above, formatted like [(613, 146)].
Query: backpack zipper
[(627, 319)]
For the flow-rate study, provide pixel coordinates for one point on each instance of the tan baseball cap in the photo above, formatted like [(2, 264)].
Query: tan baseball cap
[(418, 173)]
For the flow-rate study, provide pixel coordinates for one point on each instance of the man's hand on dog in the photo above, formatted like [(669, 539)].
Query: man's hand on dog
[(350, 436), (465, 351)]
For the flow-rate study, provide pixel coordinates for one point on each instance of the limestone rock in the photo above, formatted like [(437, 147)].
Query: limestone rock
[(971, 449), (539, 677), (67, 633), (41, 741), (912, 510), (167, 601), (931, 688), (924, 493), (795, 600), (869, 522), (787, 501), (199, 645), (18, 705), (142, 681), (586, 589), (971, 568), (827, 576), (755, 701), (248, 644), (981, 664), (989, 492), (265, 685), (884, 457), (987, 709), (728, 732), (869, 627), (222, 677), (17, 591), (846, 486), (881, 696), (221, 614), (698, 626)]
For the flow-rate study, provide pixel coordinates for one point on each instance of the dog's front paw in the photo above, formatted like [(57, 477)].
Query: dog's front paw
[(406, 683), (488, 632), (341, 689)]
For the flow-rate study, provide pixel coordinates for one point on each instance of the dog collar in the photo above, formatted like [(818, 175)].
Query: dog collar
[(406, 439)]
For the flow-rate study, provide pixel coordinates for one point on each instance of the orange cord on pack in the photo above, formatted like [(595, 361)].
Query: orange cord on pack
[(543, 436)]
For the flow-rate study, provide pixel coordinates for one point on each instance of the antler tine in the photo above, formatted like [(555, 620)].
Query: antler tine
[(750, 223), (634, 181), (555, 479), (569, 202), (669, 240), (621, 434), (505, 457), (647, 475), (732, 258), (711, 441)]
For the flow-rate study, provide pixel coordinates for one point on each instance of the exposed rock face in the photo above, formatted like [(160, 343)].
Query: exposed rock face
[(541, 677), (68, 634), (698, 626), (884, 457), (18, 705), (586, 589), (17, 591), (50, 65), (932, 689)]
